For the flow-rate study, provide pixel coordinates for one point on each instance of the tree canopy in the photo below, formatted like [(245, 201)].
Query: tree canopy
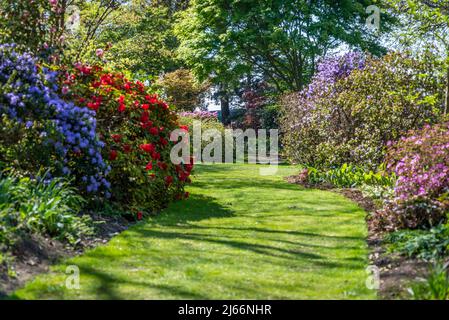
[(279, 39)]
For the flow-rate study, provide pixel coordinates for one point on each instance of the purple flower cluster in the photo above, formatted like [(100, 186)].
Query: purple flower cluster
[(332, 69), (28, 94), (200, 115), (21, 83), (329, 71)]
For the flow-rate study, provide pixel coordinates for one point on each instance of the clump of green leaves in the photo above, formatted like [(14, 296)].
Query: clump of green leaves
[(41, 206), (428, 245), (435, 287), (350, 176)]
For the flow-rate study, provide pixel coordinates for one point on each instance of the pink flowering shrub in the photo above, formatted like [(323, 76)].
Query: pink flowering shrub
[(200, 115), (421, 163)]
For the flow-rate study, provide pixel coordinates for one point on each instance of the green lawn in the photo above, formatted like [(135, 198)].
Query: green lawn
[(239, 236)]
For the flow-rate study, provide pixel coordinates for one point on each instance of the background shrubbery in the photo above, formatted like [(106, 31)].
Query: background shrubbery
[(354, 106), (208, 121)]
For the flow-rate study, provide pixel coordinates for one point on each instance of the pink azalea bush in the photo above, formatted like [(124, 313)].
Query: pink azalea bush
[(200, 115), (421, 163)]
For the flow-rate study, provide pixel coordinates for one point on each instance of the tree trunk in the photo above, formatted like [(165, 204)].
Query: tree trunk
[(224, 101), (446, 105)]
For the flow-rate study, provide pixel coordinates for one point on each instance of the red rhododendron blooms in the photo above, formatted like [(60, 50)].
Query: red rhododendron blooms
[(141, 124), (184, 128), (147, 125), (116, 137), (152, 99), (168, 180), (139, 215), (106, 79), (127, 148), (183, 176), (156, 155), (154, 131), (148, 147), (162, 165), (163, 141), (113, 155), (145, 117)]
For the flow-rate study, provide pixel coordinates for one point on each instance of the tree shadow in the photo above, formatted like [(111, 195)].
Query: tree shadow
[(196, 208)]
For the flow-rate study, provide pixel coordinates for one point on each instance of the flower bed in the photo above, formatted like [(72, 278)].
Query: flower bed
[(135, 126)]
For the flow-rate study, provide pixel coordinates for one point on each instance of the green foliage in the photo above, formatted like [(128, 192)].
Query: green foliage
[(181, 90), (350, 176), (281, 39), (139, 37), (423, 20), (25, 148), (435, 287), (207, 124), (41, 206), (29, 23), (269, 116), (428, 245)]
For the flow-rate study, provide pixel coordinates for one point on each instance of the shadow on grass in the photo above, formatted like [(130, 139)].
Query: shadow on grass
[(196, 208), (178, 223)]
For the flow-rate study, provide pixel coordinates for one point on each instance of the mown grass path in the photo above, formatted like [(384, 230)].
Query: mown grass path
[(239, 236)]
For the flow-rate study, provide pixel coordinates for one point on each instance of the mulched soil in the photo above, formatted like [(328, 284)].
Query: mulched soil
[(34, 254), (396, 272)]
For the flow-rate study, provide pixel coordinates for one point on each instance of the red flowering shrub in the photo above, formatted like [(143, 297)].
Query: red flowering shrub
[(135, 126), (421, 163)]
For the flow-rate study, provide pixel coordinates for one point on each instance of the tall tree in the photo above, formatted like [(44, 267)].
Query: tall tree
[(279, 39), (429, 20)]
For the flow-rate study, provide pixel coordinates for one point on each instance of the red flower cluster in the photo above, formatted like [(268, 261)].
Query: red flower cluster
[(141, 124)]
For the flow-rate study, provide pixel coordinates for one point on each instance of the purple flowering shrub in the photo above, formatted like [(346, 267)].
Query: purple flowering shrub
[(421, 163), (304, 120), (347, 116), (40, 130)]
